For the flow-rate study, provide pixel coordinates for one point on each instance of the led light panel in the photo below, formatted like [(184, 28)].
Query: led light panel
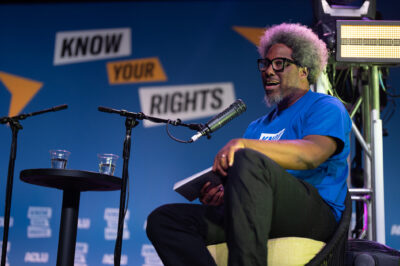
[(373, 41)]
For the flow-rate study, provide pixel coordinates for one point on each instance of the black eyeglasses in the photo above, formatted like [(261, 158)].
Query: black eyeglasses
[(278, 64)]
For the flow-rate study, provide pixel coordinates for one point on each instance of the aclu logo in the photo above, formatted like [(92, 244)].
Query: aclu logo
[(36, 257), (84, 223), (89, 45), (39, 226), (7, 251), (185, 101), (111, 230), (109, 259), (150, 255), (81, 251), (395, 230), (11, 222)]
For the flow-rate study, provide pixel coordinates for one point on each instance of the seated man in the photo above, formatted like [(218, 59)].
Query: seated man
[(285, 177)]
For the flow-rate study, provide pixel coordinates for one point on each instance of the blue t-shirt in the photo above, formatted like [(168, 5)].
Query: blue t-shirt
[(313, 114)]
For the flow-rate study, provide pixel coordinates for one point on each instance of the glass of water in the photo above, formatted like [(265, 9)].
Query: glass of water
[(107, 162), (59, 158)]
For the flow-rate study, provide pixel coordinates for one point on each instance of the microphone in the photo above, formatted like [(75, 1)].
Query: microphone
[(234, 110), (107, 110), (59, 107), (121, 112)]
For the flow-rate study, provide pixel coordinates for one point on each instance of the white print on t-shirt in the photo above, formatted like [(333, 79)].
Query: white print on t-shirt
[(268, 136)]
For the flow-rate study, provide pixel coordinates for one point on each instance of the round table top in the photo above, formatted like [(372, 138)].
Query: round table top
[(67, 179)]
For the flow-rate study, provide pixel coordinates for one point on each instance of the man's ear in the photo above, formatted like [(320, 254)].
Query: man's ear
[(304, 72)]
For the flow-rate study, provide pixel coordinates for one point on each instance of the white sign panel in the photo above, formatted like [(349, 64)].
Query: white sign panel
[(185, 102), (90, 45)]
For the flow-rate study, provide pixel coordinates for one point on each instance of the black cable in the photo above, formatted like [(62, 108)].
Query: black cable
[(172, 137), (393, 95), (390, 98), (390, 111), (127, 197)]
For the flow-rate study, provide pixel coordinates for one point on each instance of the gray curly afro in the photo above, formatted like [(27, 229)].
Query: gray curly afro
[(308, 50)]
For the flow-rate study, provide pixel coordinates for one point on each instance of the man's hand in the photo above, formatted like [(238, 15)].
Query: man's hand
[(224, 158), (213, 196)]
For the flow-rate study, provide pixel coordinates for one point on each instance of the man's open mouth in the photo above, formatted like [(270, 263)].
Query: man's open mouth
[(272, 83)]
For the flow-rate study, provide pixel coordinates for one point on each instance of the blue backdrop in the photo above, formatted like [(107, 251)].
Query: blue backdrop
[(193, 43)]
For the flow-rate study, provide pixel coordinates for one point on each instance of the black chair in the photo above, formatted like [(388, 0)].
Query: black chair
[(333, 253), (362, 252)]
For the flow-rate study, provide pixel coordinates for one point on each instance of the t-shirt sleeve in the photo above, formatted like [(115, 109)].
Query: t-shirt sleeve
[(248, 134), (328, 117)]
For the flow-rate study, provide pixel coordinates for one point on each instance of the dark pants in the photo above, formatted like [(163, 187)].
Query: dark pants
[(261, 201)]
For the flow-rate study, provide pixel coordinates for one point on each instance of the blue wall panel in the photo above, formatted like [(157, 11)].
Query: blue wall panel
[(195, 43)]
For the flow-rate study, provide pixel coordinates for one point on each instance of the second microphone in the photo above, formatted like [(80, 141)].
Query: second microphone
[(232, 111)]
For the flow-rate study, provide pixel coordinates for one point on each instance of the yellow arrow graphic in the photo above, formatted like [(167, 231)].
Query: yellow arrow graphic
[(252, 34), (22, 91)]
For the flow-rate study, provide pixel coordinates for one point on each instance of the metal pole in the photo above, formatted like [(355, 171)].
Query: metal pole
[(68, 228), (360, 139), (366, 121), (378, 202)]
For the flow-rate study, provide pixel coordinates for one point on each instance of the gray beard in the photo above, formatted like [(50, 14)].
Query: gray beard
[(273, 100)]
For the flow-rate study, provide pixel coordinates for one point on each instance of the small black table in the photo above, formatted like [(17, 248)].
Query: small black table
[(72, 182)]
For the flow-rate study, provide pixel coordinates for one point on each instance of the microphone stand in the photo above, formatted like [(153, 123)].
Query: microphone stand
[(131, 122), (15, 127)]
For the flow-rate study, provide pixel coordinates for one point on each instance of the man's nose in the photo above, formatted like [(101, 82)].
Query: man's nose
[(269, 71)]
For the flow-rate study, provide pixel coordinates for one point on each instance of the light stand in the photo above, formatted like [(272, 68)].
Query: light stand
[(370, 44)]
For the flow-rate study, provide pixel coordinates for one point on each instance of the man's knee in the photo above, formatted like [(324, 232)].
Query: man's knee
[(170, 217), (251, 158), (246, 154), (249, 163), (155, 220)]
